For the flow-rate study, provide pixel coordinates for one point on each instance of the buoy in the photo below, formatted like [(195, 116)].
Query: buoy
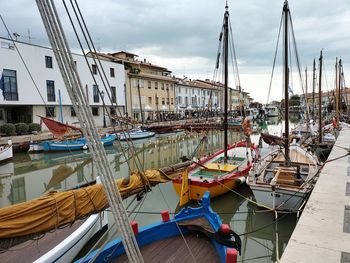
[(85, 147)]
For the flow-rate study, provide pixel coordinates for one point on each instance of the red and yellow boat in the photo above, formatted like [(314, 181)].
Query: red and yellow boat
[(214, 175)]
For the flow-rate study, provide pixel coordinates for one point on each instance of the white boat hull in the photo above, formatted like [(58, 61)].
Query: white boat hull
[(280, 199), (68, 249), (6, 152)]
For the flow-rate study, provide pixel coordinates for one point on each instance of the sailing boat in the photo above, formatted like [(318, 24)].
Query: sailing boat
[(226, 168), (60, 129), (283, 178)]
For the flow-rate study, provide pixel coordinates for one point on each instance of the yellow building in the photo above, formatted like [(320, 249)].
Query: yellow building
[(149, 88)]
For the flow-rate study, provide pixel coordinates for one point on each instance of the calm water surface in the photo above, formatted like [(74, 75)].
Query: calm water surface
[(29, 176)]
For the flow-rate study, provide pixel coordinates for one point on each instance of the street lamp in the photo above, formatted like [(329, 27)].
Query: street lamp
[(103, 105)]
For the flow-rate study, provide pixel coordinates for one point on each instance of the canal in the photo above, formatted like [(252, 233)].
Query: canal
[(29, 176)]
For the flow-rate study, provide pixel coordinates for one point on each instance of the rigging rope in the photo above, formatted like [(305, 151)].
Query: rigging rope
[(75, 90)]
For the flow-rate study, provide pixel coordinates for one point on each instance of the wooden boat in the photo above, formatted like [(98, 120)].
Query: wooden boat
[(194, 234), (214, 175), (136, 134), (283, 178), (6, 151), (61, 245), (75, 144)]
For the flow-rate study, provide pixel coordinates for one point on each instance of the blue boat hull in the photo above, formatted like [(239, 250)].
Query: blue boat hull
[(73, 145), (164, 230)]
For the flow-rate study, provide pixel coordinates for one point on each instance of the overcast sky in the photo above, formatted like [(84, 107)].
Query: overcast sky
[(183, 35)]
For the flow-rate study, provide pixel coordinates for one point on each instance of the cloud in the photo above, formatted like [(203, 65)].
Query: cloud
[(183, 35)]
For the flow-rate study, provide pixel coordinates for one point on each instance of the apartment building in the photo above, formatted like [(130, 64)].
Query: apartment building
[(37, 88)]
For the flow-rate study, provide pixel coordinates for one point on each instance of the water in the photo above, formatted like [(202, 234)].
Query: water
[(29, 176)]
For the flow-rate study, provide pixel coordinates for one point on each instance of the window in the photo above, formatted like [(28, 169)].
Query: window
[(157, 101), (50, 87), (94, 69), (112, 110), (114, 94), (111, 71), (1, 115), (50, 111), (167, 101), (149, 84), (94, 111), (72, 112), (162, 86), (141, 83), (95, 93), (48, 62), (156, 85), (171, 87), (172, 101), (150, 101), (167, 86), (9, 84), (163, 101)]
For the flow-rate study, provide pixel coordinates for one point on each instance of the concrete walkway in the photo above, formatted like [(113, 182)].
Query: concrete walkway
[(323, 231)]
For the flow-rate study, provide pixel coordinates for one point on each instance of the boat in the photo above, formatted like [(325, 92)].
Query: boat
[(283, 179), (6, 151), (135, 134), (227, 168), (196, 230), (75, 144), (272, 111), (61, 245)]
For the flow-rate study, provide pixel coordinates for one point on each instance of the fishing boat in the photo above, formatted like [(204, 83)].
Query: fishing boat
[(75, 144), (196, 234), (272, 111), (6, 151), (227, 168), (284, 178), (136, 134)]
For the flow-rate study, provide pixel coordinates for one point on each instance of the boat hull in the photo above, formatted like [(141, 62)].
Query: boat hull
[(135, 135), (73, 145), (281, 199), (6, 152)]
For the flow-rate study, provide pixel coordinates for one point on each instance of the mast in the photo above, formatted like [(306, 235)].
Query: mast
[(226, 79), (138, 89), (340, 104), (320, 101), (313, 88), (306, 99), (336, 91), (286, 81)]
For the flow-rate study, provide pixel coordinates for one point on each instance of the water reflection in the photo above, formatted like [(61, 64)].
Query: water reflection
[(29, 176)]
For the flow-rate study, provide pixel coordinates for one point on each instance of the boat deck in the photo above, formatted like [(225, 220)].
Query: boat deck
[(189, 248), (30, 250)]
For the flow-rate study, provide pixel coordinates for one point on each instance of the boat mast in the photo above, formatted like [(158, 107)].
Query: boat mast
[(141, 112), (286, 81), (320, 101), (340, 104), (313, 88), (336, 91), (306, 100), (225, 79)]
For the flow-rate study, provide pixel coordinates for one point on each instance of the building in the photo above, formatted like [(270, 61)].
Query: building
[(193, 97), (40, 90), (150, 88)]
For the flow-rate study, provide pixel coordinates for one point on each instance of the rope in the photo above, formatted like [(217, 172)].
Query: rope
[(75, 90)]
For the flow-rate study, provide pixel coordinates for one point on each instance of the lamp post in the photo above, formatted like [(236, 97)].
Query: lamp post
[(103, 105)]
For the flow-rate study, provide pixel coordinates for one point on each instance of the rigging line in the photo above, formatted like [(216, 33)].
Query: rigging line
[(25, 65), (297, 55), (98, 68), (63, 55), (234, 55), (274, 59)]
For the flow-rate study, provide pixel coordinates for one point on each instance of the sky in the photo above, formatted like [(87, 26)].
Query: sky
[(183, 35)]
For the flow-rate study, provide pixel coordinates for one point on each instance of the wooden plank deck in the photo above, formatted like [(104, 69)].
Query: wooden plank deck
[(178, 249)]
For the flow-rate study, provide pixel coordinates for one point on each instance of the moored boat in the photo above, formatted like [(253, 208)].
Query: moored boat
[(6, 151), (197, 234), (136, 134)]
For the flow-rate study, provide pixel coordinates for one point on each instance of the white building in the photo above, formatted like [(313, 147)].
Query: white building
[(21, 100), (194, 95)]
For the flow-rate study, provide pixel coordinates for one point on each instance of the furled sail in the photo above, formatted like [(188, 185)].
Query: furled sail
[(58, 128), (61, 208)]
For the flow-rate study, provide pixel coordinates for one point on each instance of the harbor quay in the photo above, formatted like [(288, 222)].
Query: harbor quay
[(322, 233)]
